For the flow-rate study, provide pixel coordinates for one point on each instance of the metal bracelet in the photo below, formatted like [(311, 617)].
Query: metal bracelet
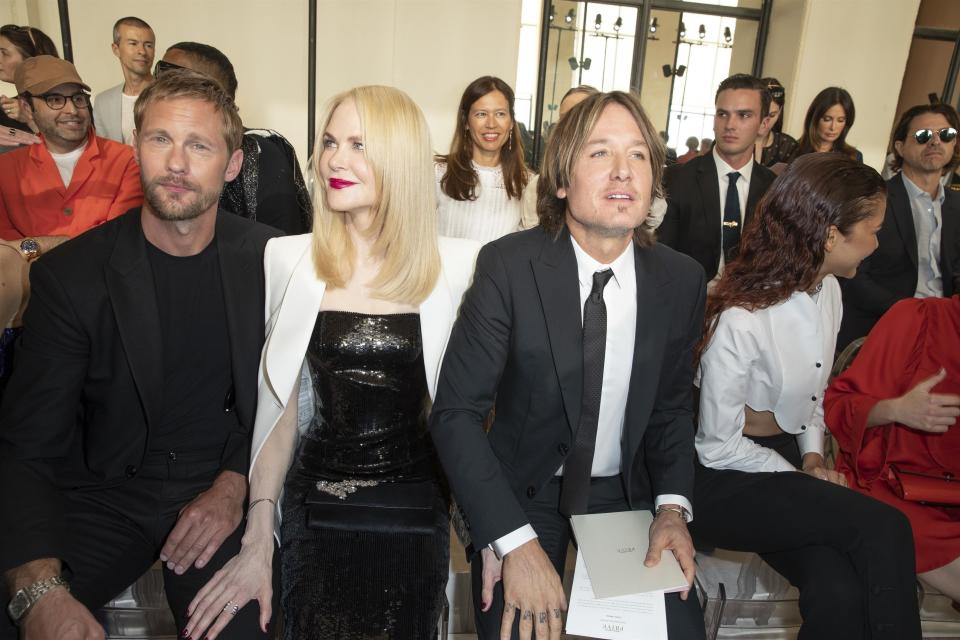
[(258, 501), (678, 510)]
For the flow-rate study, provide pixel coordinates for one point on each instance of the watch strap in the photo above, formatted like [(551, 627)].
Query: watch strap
[(38, 589)]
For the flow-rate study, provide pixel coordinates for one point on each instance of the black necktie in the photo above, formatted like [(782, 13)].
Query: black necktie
[(575, 493), (731, 219)]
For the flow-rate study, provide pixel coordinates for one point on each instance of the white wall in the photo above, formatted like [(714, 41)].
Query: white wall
[(860, 45), (430, 48)]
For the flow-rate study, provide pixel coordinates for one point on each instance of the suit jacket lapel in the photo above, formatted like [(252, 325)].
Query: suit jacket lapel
[(903, 215), (241, 275), (758, 186), (710, 195), (133, 295), (648, 346), (949, 239), (556, 275)]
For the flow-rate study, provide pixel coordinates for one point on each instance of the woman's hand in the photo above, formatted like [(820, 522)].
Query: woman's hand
[(245, 577), (813, 465), (11, 107), (923, 410)]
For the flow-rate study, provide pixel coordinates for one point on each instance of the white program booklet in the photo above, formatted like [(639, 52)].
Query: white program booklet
[(614, 545), (641, 615)]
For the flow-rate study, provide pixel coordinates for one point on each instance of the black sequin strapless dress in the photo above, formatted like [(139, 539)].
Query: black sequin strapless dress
[(370, 423)]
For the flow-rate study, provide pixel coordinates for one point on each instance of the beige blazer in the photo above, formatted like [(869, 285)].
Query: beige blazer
[(106, 113), (293, 295)]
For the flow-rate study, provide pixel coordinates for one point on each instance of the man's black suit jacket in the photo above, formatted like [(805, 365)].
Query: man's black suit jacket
[(890, 273), (693, 223), (88, 384), (518, 339)]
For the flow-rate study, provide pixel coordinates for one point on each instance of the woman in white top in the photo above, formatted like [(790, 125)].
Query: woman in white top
[(358, 316), (484, 189), (762, 485)]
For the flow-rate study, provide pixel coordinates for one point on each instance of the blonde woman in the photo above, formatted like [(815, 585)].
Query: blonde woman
[(358, 316)]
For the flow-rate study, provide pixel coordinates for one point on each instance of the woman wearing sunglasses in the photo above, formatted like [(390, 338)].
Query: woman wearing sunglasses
[(919, 244), (776, 147), (827, 124), (16, 45)]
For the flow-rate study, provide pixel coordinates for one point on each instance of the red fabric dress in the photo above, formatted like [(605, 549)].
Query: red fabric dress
[(909, 344)]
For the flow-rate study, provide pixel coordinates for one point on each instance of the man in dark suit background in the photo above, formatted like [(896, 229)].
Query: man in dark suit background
[(705, 216), (918, 252), (125, 429), (582, 332)]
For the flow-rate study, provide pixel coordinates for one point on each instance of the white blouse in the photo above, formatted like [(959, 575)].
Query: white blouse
[(492, 214), (776, 359)]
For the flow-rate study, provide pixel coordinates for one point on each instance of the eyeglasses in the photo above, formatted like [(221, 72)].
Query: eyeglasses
[(57, 101), (776, 91), (923, 136), (162, 67)]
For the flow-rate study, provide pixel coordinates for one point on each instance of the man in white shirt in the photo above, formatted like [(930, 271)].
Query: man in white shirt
[(704, 219), (581, 331), (133, 45), (918, 251)]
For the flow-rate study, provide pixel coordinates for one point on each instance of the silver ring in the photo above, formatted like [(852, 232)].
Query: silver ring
[(233, 608)]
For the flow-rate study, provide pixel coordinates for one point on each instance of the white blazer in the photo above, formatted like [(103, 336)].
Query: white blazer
[(293, 295)]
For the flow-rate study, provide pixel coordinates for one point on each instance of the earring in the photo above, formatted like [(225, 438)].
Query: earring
[(510, 140)]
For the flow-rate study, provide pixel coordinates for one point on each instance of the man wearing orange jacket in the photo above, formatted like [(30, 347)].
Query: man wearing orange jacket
[(53, 191)]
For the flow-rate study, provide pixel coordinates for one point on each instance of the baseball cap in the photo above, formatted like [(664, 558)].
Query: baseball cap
[(39, 74)]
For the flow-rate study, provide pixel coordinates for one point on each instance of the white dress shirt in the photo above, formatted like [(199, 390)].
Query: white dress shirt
[(743, 190), (620, 298), (928, 224), (775, 359)]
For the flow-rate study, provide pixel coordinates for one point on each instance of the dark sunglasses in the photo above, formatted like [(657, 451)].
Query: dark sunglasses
[(162, 67), (923, 136), (57, 101), (776, 91)]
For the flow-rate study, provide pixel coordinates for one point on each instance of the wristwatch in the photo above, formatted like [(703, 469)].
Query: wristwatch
[(25, 598), (681, 511), (30, 249)]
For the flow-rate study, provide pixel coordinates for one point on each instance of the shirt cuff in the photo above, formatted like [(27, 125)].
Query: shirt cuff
[(505, 544), (673, 498), (810, 440)]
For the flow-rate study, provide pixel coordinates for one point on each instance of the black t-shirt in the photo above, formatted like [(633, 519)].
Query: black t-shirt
[(197, 377)]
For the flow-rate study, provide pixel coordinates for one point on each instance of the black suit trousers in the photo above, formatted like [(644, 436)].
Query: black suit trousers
[(115, 535), (684, 618), (850, 556)]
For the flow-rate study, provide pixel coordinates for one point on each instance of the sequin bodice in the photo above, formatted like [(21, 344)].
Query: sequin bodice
[(370, 418)]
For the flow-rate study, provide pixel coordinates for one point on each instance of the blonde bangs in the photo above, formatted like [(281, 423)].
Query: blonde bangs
[(396, 137)]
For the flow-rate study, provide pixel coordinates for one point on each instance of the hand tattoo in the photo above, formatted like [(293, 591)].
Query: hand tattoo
[(543, 617), (528, 615)]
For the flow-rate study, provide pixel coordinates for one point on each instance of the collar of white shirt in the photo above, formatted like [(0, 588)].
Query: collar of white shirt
[(746, 171), (916, 192), (622, 266)]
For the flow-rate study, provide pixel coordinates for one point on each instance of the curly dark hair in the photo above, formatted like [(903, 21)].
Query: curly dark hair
[(902, 129), (782, 249), (565, 144), (460, 180)]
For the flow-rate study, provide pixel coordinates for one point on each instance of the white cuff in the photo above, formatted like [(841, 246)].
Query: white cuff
[(505, 544), (810, 440), (673, 498)]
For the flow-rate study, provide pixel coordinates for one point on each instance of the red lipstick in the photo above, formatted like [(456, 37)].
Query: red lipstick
[(337, 183)]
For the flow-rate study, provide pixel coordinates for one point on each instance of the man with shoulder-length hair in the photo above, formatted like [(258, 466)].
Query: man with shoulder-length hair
[(581, 332), (918, 246), (125, 431)]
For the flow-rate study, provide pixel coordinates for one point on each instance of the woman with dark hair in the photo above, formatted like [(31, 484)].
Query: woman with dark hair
[(484, 188), (827, 123), (16, 45), (761, 482), (776, 147)]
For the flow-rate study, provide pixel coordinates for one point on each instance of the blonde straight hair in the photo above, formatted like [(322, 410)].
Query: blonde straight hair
[(397, 147)]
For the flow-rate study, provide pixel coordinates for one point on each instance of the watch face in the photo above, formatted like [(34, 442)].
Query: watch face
[(18, 605), (30, 245)]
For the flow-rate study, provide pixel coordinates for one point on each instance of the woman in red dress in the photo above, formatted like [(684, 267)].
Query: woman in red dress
[(898, 405)]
